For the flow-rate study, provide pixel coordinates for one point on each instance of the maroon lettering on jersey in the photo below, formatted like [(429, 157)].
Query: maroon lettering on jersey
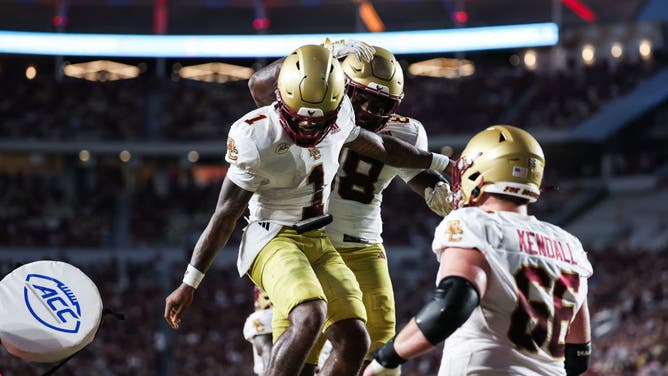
[(570, 253), (560, 252), (550, 250), (253, 120), (523, 241), (542, 242), (537, 244)]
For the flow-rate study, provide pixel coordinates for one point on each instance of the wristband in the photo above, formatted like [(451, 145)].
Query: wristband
[(192, 276), (439, 162), (387, 356)]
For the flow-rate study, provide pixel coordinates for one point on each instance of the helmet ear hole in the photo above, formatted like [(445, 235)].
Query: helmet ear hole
[(475, 192)]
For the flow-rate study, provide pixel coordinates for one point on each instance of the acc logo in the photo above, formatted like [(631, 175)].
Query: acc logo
[(282, 148), (52, 303)]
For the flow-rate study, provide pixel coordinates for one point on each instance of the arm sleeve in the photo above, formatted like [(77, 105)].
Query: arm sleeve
[(454, 300), (244, 160)]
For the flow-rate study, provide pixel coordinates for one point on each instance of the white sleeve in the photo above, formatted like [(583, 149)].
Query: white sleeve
[(257, 324), (407, 174), (459, 229), (346, 120), (244, 160), (354, 133)]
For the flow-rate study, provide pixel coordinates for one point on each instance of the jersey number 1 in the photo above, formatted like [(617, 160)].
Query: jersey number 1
[(530, 337), (317, 179)]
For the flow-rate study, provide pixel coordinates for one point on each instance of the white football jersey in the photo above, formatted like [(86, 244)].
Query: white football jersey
[(358, 188), (257, 324), (538, 282), (289, 182)]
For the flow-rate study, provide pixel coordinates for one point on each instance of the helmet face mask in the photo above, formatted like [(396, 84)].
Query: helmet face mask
[(304, 130), (373, 108), (501, 159), (310, 91), (375, 88)]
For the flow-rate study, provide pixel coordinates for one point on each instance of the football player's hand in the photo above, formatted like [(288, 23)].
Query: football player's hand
[(376, 369), (176, 303), (439, 198), (344, 47)]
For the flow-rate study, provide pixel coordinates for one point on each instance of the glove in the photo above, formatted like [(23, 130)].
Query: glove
[(439, 198), (376, 369), (344, 47)]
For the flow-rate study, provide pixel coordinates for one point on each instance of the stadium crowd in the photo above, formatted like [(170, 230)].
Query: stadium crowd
[(99, 207), (161, 109)]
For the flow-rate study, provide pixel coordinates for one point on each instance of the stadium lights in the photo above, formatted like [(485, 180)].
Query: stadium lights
[(124, 156), (616, 50), (215, 72), (442, 67), (263, 45), (530, 59), (193, 156), (84, 155), (31, 72), (645, 49), (101, 70), (588, 54)]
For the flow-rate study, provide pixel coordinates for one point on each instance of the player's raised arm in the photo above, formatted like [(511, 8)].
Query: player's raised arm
[(435, 190), (232, 202), (263, 83), (396, 152)]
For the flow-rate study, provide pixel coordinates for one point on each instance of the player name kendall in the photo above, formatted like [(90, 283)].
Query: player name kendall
[(534, 244)]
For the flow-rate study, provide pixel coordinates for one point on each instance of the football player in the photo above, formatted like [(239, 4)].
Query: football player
[(374, 84), (283, 158), (257, 330), (511, 290)]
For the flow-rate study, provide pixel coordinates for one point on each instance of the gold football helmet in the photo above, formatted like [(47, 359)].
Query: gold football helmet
[(501, 159), (310, 89), (261, 299), (375, 88)]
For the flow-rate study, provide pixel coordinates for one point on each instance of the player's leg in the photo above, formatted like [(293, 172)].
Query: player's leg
[(345, 313), (292, 347), (313, 359), (369, 264), (285, 273)]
